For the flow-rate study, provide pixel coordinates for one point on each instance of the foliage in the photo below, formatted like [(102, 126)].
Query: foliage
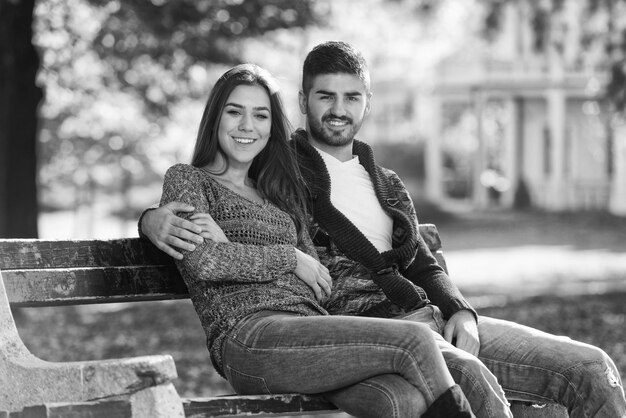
[(177, 35), (119, 74)]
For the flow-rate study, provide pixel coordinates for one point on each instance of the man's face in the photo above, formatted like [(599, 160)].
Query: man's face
[(335, 108)]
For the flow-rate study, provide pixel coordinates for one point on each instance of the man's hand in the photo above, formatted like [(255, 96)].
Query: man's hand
[(210, 229), (167, 231), (462, 329)]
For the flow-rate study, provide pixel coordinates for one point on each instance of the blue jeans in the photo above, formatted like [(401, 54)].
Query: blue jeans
[(276, 352), (529, 365)]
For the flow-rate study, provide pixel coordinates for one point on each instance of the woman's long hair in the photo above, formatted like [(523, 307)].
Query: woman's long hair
[(275, 169)]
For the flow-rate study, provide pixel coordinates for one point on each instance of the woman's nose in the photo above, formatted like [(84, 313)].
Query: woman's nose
[(246, 124)]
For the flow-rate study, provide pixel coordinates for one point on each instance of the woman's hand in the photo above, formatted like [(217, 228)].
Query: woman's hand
[(210, 229), (314, 274)]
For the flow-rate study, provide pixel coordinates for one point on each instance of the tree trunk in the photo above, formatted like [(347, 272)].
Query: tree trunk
[(19, 101)]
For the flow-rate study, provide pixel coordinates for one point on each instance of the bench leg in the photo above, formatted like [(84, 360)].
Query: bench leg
[(157, 402), (27, 380)]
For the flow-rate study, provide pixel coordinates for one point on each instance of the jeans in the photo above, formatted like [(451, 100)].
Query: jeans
[(364, 365), (529, 365), (394, 361)]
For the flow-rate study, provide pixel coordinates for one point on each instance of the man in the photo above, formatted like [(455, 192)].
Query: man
[(366, 230)]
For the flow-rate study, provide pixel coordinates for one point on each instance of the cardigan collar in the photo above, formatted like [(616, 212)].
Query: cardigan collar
[(348, 238)]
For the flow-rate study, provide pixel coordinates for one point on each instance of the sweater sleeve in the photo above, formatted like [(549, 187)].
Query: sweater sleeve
[(230, 261), (139, 231), (424, 270)]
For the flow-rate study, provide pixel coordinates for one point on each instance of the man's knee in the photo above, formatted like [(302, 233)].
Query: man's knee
[(595, 367)]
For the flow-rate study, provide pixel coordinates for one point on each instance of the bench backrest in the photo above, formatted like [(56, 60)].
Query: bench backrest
[(65, 272)]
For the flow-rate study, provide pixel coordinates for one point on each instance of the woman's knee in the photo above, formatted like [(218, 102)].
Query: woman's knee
[(465, 363), (471, 373), (418, 336), (388, 395)]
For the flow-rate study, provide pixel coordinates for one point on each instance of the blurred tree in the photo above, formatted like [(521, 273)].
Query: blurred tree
[(19, 98), (114, 69), (176, 35)]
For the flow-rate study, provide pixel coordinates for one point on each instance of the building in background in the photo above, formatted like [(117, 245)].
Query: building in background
[(508, 126)]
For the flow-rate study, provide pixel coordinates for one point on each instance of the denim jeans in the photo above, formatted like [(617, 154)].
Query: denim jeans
[(530, 365), (276, 352)]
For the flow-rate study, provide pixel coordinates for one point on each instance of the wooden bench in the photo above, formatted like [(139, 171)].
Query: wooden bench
[(52, 273)]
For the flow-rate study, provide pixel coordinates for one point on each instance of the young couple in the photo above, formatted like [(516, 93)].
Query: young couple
[(304, 263)]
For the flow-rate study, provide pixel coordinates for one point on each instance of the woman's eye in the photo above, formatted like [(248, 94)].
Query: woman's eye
[(262, 116), (233, 112)]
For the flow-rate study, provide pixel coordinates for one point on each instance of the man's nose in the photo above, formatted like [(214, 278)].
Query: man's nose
[(338, 108)]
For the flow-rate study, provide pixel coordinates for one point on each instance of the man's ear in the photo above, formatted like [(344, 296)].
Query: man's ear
[(302, 102), (368, 105)]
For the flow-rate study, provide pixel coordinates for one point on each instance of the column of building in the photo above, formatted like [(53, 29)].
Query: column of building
[(617, 203), (429, 126), (480, 195), (512, 157), (556, 193)]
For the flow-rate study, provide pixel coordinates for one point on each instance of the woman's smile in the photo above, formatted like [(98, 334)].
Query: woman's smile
[(243, 141)]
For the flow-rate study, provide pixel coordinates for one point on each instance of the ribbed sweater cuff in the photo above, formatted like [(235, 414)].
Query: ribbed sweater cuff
[(139, 231), (455, 305)]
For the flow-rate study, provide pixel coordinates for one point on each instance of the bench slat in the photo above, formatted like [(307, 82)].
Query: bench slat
[(21, 254), (96, 285), (44, 254), (259, 405), (67, 272), (96, 409)]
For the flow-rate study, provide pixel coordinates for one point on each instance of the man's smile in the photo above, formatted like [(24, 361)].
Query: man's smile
[(337, 122)]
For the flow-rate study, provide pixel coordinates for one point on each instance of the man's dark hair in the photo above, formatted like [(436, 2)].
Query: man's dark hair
[(333, 57)]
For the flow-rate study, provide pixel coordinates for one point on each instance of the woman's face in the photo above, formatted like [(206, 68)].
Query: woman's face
[(245, 124)]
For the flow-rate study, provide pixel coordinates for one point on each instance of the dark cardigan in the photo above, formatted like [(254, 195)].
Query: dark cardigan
[(409, 253)]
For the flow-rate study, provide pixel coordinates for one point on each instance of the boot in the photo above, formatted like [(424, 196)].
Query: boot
[(451, 404)]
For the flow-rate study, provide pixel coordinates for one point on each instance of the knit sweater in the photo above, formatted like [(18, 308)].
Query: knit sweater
[(351, 258), (229, 281)]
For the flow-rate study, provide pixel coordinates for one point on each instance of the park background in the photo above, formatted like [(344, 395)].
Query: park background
[(504, 118)]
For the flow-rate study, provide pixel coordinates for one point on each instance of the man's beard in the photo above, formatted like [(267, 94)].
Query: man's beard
[(329, 137)]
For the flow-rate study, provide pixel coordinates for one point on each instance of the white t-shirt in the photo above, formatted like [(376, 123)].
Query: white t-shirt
[(352, 193)]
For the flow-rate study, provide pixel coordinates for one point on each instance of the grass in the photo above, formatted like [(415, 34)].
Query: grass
[(93, 332)]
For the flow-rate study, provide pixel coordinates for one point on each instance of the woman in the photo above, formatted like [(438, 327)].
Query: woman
[(258, 291)]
